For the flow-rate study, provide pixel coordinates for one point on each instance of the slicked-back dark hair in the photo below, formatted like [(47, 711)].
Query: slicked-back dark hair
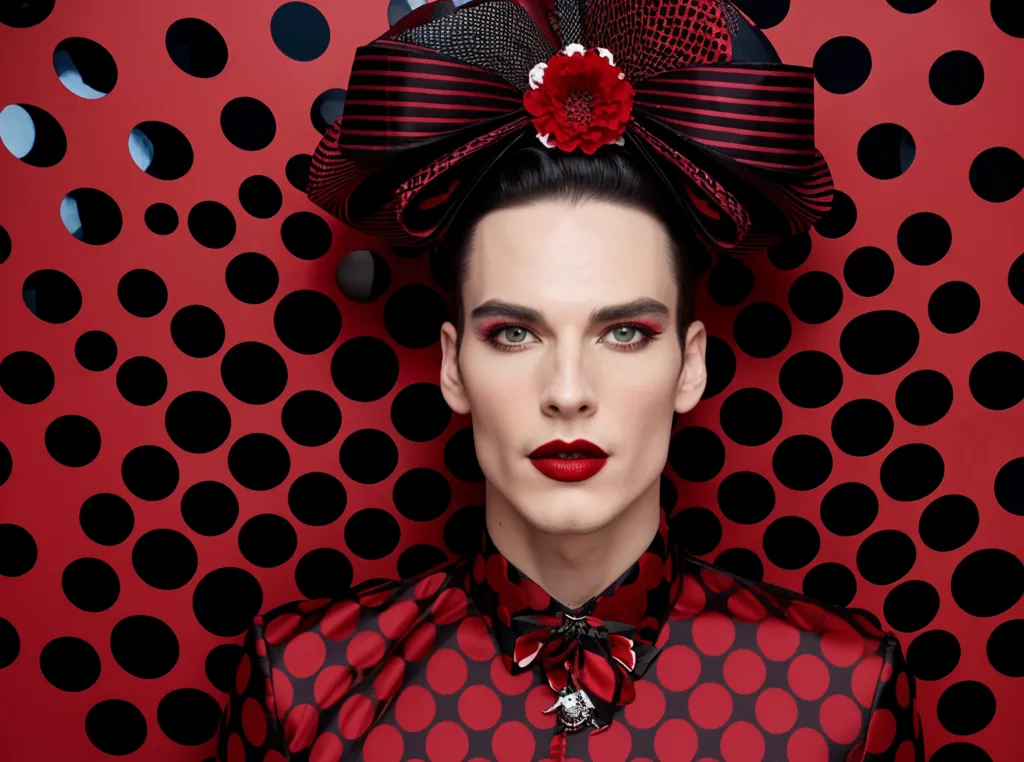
[(535, 173)]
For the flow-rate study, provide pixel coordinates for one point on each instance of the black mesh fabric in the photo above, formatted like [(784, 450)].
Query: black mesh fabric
[(497, 35)]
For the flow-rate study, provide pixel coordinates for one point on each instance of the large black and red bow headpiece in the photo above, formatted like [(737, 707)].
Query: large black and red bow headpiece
[(692, 87)]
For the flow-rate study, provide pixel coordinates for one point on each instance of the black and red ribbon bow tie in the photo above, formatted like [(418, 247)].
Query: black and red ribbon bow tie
[(580, 651)]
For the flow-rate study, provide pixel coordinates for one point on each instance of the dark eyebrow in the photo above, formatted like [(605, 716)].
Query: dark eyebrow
[(634, 309)]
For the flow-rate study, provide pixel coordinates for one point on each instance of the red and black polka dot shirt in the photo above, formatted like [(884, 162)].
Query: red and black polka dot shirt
[(677, 660)]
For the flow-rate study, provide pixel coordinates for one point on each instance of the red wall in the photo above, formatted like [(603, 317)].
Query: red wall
[(871, 373)]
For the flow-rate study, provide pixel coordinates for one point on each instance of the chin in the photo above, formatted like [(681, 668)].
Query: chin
[(567, 519)]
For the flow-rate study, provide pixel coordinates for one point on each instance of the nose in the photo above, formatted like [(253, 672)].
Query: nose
[(568, 391)]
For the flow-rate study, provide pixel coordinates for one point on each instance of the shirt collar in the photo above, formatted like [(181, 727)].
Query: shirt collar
[(642, 596)]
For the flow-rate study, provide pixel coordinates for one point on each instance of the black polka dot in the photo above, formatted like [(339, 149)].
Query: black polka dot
[(911, 606), (248, 123), (91, 216), (116, 727), (868, 271), (363, 276), (810, 379), (842, 64), (417, 559), (1015, 279), (260, 196), (209, 508), (815, 297), (372, 533), (966, 707), (746, 497), (196, 47), (764, 13), (730, 281), (886, 556), (197, 331), (161, 218), (988, 582), (10, 644), (160, 150), (956, 77), (106, 519), (696, 454), (742, 562), (306, 236), (1007, 15), (848, 509), (165, 559), (150, 472), (300, 31), (144, 646), (997, 380), (368, 456), (911, 6), (1009, 487), (259, 461), (251, 278), (886, 151), (5, 244), (924, 397), (750, 417), (51, 296), (6, 463), (413, 316), (69, 664), (267, 540), (307, 322), (222, 664), (924, 238), (831, 583), (327, 108), (419, 412), (762, 330), (997, 174), (141, 380), (791, 542), (700, 529), (879, 342), (802, 462), (862, 427), (91, 584), (297, 171), (721, 366), (96, 350), (226, 600), (25, 14), (323, 573), (254, 372), (363, 369), (211, 224), (49, 143), (311, 418), (792, 253), (317, 499), (949, 522), (462, 530), (1003, 648), (421, 494), (188, 716), (142, 293), (954, 306), (18, 551), (912, 471), (840, 218), (933, 655), (197, 422), (72, 441), (27, 378)]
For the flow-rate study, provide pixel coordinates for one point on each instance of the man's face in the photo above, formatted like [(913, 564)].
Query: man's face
[(562, 376)]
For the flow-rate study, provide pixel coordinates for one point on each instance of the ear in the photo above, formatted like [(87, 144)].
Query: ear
[(693, 378), (451, 377)]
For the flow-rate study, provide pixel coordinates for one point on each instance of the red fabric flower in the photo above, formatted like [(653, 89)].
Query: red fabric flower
[(579, 98)]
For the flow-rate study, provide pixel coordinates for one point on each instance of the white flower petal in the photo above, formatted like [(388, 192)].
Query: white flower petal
[(605, 53), (546, 140), (537, 75), (574, 48)]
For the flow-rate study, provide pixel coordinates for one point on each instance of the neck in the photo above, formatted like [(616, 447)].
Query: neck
[(573, 567)]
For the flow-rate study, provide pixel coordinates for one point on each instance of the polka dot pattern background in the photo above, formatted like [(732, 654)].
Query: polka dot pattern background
[(214, 400)]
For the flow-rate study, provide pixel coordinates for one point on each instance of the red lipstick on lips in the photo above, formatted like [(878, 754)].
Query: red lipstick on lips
[(546, 460)]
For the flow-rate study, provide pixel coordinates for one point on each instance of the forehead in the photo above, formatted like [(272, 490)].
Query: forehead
[(553, 254)]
